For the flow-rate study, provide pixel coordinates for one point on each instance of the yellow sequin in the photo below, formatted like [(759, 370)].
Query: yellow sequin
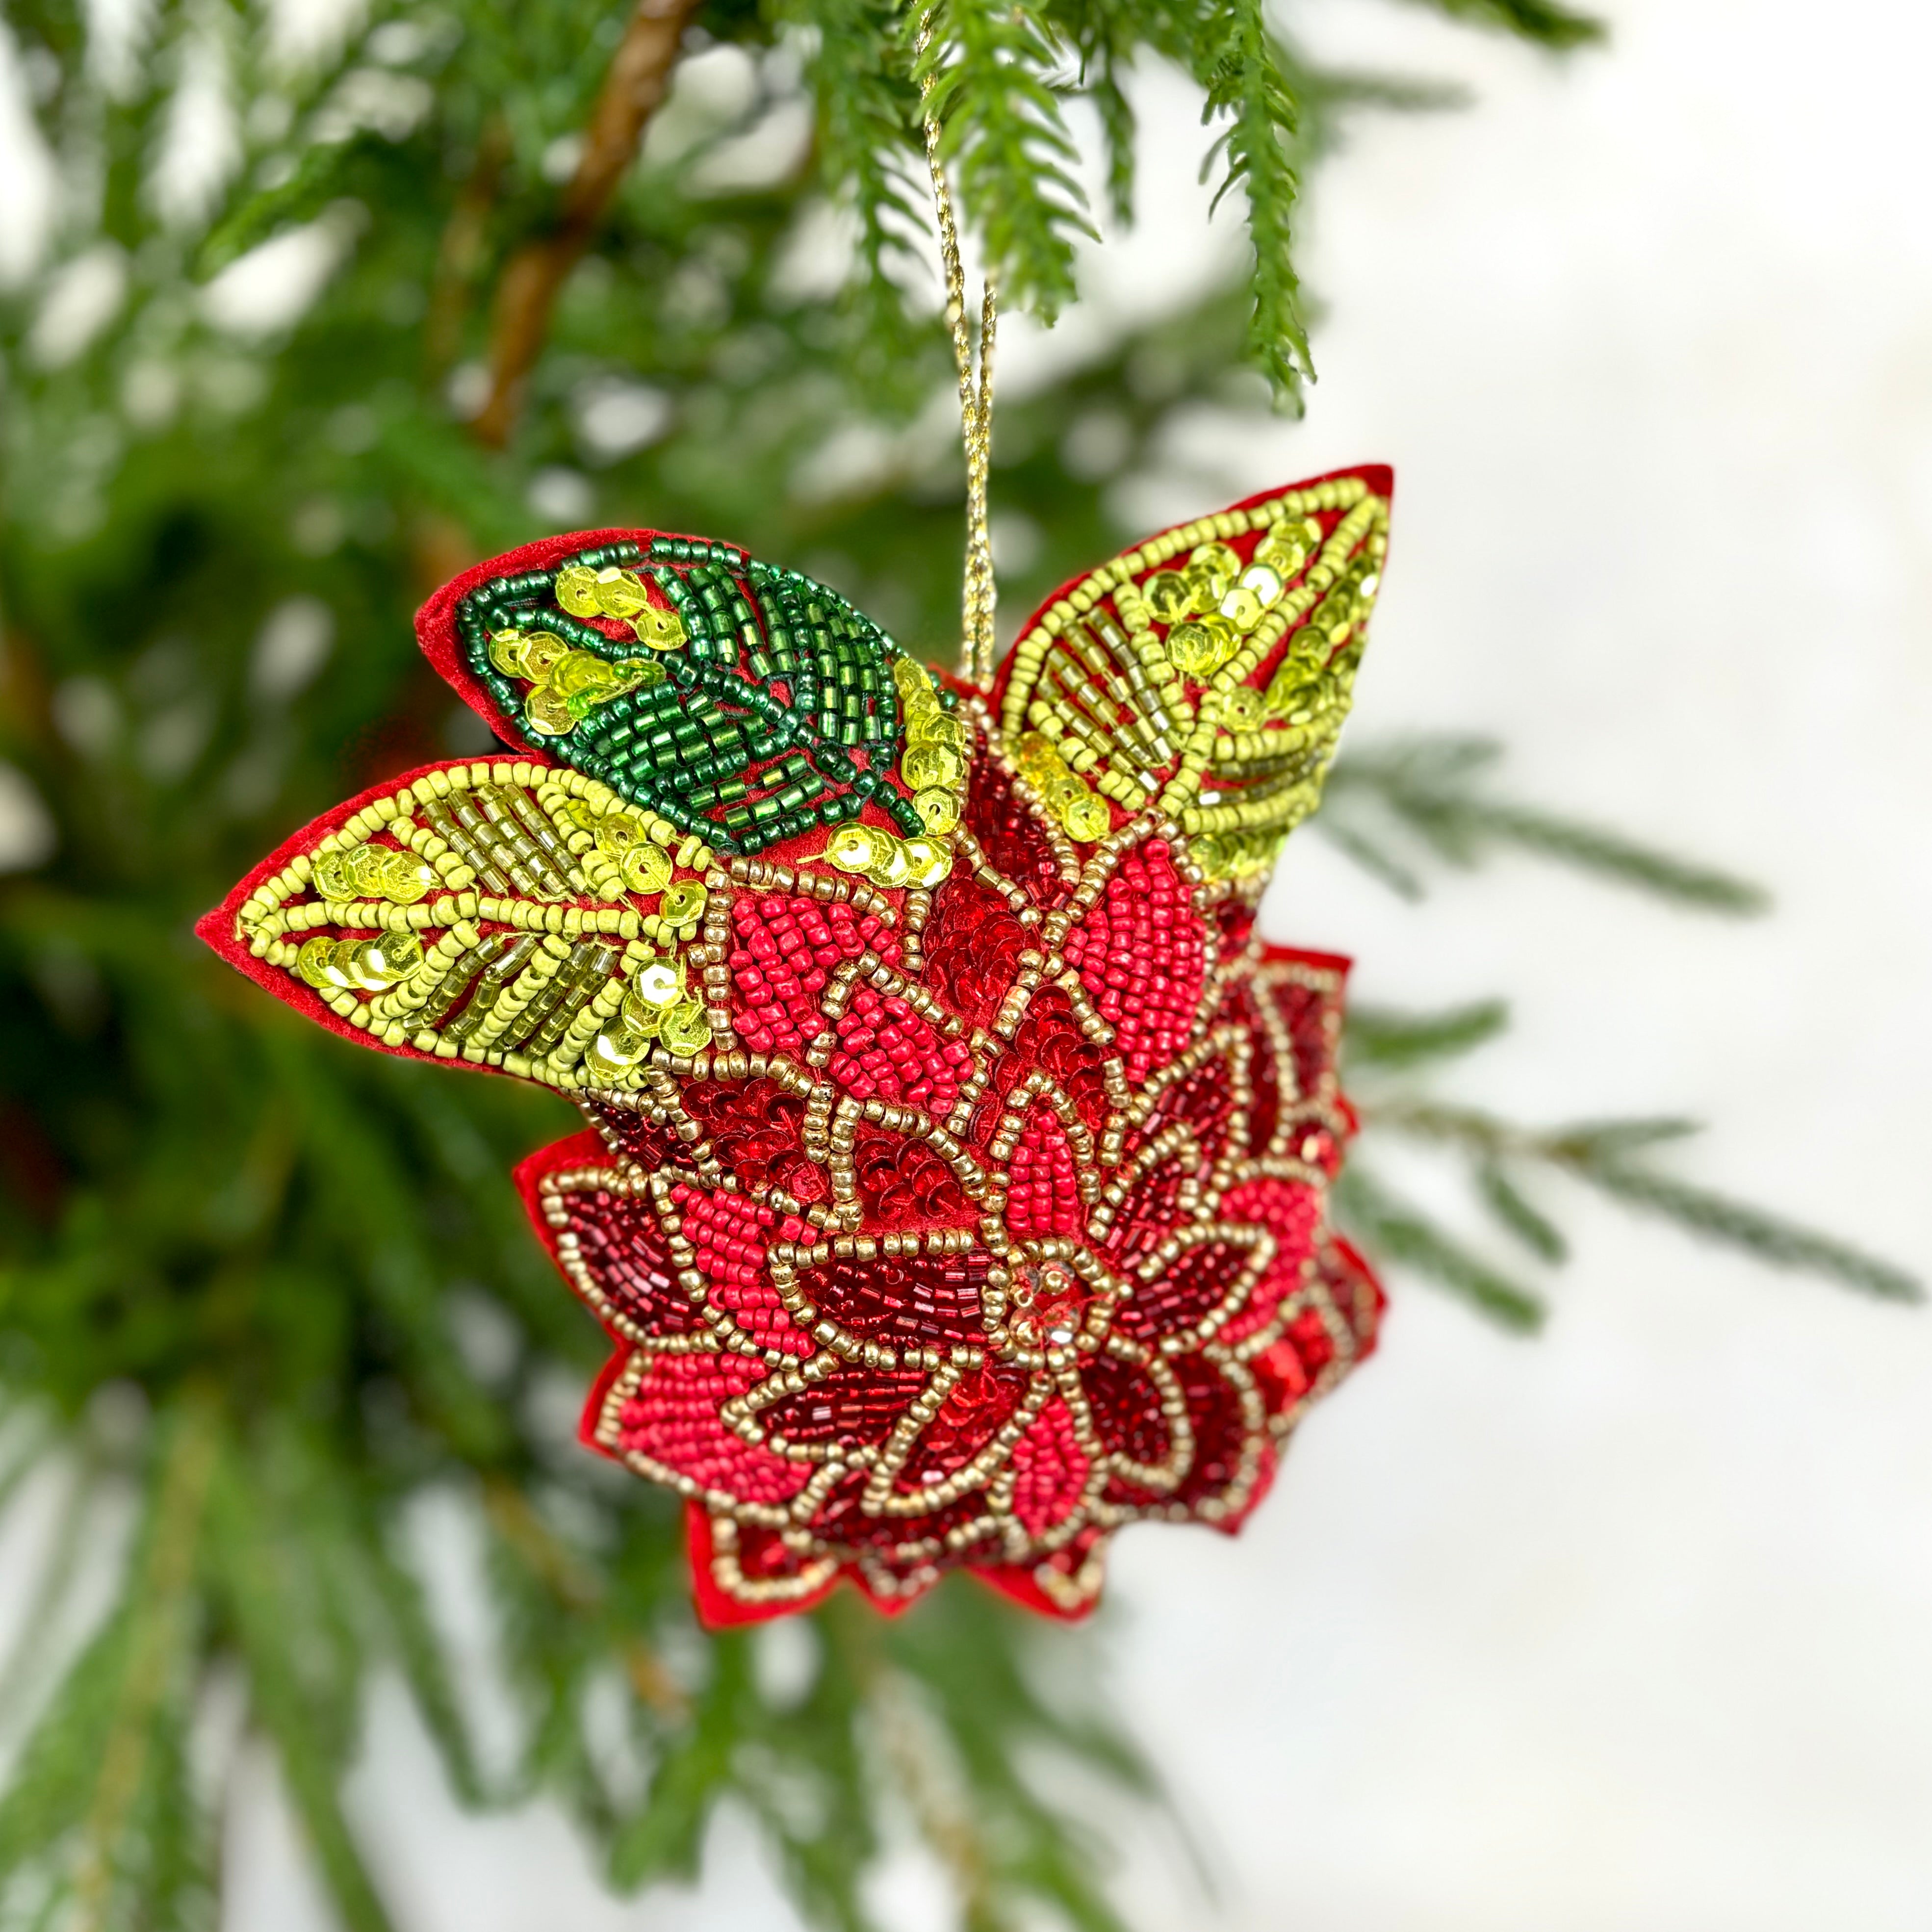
[(661, 630), (682, 904), (890, 868), (1201, 646), (577, 591), (1169, 595), (659, 983), (854, 847), (619, 593), (1085, 817), (646, 867), (938, 810), (547, 712), (928, 765), (927, 862), (685, 1029)]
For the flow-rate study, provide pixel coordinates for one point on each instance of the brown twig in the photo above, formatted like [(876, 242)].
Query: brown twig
[(578, 1590), (916, 1759), (162, 1628), (632, 90), (459, 253)]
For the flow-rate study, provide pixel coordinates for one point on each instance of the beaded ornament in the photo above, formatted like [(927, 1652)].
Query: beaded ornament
[(955, 1190)]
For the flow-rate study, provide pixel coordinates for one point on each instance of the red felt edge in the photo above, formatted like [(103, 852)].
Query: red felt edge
[(216, 928), (1358, 1263), (1339, 963), (593, 1407), (1380, 477), (436, 621), (584, 1148), (1015, 1583), (718, 1611)]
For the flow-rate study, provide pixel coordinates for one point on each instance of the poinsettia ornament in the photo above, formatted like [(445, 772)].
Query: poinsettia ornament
[(954, 1191)]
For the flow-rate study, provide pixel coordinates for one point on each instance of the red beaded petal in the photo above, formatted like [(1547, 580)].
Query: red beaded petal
[(954, 1211)]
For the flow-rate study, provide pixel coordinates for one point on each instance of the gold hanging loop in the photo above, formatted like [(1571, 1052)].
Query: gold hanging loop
[(980, 593)]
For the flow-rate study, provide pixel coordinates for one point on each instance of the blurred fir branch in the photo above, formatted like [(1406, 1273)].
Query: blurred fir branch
[(269, 1299), (1385, 1050), (1431, 789)]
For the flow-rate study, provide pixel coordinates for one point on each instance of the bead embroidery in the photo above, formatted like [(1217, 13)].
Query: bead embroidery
[(989, 1291), (1211, 669), (957, 1191), (570, 960), (770, 705)]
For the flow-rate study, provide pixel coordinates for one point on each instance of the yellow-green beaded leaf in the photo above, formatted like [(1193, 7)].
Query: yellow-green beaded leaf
[(1211, 668), (505, 914)]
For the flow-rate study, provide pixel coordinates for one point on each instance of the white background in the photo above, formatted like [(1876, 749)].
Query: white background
[(1625, 1627)]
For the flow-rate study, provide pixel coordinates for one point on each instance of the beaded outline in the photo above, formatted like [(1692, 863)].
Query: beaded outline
[(1128, 724), (238, 931)]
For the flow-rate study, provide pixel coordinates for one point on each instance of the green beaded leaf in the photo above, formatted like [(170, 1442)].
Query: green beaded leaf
[(745, 704)]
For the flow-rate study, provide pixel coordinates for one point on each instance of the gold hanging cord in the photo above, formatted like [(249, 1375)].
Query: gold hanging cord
[(976, 406)]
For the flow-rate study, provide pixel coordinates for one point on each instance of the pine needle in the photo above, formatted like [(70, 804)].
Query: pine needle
[(1389, 1226), (1764, 1237), (1432, 790), (1379, 1038)]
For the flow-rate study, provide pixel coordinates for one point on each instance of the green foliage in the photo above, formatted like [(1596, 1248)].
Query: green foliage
[(1431, 789), (987, 73), (1534, 20), (302, 1264), (1497, 1155), (1236, 62)]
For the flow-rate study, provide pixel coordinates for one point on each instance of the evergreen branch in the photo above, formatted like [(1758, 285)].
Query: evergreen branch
[(1119, 129), (1429, 787), (20, 1674), (461, 246), (420, 1653), (1766, 1238), (914, 1756), (1104, 35), (1598, 1154), (664, 1838), (1590, 849), (577, 1588), (635, 85), (1587, 1140), (1238, 66), (100, 1788), (988, 62), (362, 1187), (1374, 859), (1032, 1849), (272, 1633), (1374, 1036), (320, 177), (1539, 21), (868, 153), (160, 1640), (1391, 1227), (1326, 93), (1520, 1215)]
